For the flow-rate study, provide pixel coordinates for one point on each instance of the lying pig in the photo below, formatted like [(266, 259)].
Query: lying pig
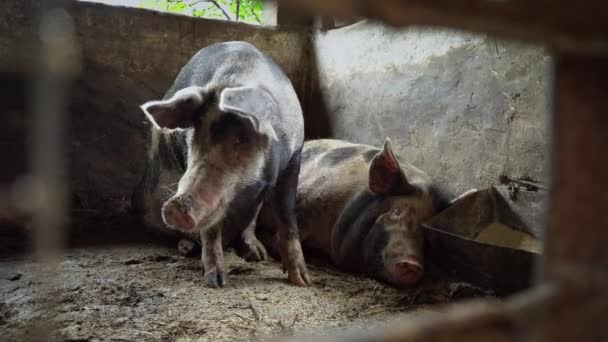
[(225, 140), (363, 208)]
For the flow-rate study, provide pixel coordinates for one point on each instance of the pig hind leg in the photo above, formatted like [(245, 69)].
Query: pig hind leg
[(283, 212), (250, 248)]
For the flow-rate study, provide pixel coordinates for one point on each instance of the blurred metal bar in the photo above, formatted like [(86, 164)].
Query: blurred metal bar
[(45, 189), (43, 192), (575, 26)]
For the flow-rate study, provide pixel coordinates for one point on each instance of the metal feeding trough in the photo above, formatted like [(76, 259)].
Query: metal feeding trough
[(479, 239)]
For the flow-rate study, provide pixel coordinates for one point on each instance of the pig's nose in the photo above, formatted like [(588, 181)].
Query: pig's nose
[(408, 271), (176, 217)]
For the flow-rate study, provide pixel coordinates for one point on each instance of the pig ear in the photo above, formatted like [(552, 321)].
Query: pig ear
[(385, 175), (253, 105), (176, 112)]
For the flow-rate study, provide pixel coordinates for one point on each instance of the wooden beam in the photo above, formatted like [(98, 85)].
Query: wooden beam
[(577, 235), (574, 26)]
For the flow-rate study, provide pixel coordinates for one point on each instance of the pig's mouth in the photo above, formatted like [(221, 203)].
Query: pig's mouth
[(407, 271)]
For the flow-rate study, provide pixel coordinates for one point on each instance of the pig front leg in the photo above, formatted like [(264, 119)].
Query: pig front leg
[(212, 257), (251, 248), (283, 207)]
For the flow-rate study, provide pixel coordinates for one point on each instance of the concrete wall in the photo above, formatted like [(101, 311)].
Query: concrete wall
[(465, 108)]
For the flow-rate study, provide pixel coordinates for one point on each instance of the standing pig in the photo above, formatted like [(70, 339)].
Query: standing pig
[(363, 208), (226, 139)]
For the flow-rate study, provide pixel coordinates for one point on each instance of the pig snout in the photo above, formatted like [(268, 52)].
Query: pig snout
[(408, 271), (176, 213)]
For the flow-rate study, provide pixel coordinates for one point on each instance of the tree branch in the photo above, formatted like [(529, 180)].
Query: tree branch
[(221, 8), (238, 8), (255, 15)]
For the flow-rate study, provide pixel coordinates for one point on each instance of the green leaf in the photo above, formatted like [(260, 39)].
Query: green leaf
[(249, 10)]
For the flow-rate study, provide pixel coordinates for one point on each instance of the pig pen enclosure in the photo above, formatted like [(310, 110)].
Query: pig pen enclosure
[(466, 108)]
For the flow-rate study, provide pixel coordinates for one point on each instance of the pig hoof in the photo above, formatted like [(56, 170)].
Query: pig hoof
[(214, 279), (297, 272), (186, 247), (254, 251), (299, 277)]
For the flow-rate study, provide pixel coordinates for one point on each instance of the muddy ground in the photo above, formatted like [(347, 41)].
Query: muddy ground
[(145, 291)]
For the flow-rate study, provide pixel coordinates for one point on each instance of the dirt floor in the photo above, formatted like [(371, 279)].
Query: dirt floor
[(147, 292)]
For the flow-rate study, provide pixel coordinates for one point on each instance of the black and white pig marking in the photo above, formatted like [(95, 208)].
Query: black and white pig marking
[(363, 208), (226, 139)]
